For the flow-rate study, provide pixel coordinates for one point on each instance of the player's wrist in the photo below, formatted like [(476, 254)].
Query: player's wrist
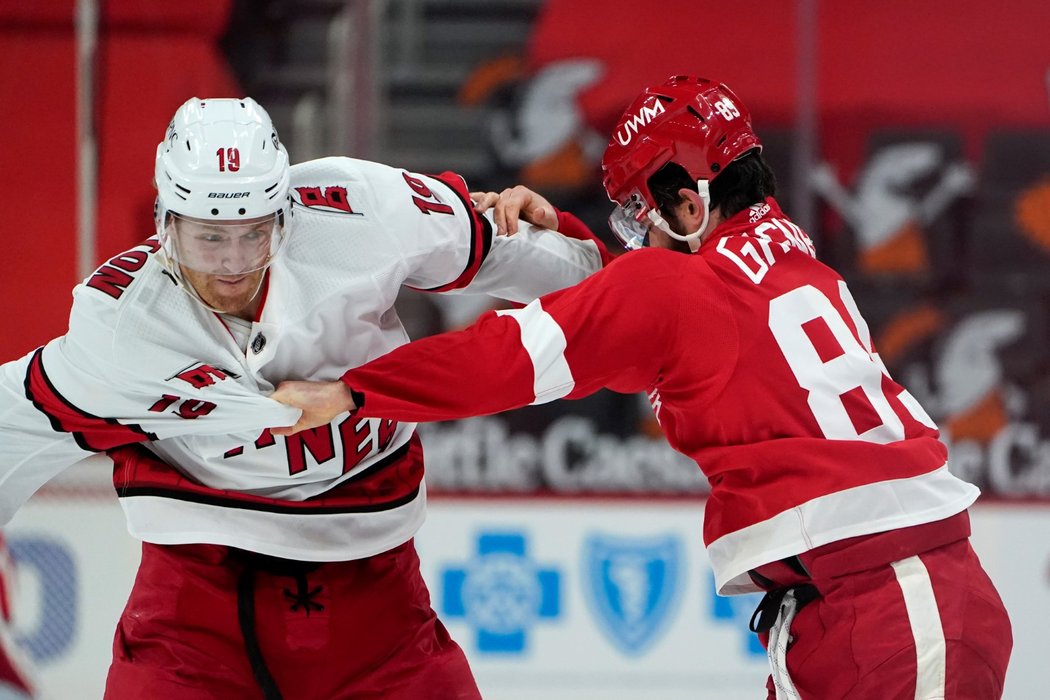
[(351, 398)]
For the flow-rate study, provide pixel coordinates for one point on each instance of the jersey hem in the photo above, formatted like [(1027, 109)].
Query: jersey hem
[(298, 536), (834, 517)]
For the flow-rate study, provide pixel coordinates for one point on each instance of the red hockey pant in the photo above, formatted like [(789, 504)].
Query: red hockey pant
[(209, 622), (925, 627)]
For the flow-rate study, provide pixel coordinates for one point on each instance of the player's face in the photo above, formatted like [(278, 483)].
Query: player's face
[(230, 294), (224, 262), (220, 248)]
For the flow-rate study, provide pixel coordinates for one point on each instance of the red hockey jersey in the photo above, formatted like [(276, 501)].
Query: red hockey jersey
[(757, 363)]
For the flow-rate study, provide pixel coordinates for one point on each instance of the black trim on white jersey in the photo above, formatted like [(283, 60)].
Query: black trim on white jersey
[(92, 433), (319, 505), (303, 508), (482, 236)]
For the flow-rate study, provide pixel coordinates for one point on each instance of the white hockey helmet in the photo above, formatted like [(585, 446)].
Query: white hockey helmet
[(221, 168)]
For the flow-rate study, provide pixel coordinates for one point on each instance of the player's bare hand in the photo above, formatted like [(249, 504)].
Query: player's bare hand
[(513, 203), (320, 403), (483, 201)]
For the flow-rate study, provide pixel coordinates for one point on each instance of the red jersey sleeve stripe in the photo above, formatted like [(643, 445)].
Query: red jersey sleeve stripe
[(480, 233), (544, 341), (92, 433)]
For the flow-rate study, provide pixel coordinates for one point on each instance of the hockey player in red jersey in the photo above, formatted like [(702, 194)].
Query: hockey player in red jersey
[(271, 567), (830, 490)]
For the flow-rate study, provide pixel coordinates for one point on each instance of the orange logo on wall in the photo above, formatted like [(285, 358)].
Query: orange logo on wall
[(901, 191), (903, 251), (963, 383), (1032, 213)]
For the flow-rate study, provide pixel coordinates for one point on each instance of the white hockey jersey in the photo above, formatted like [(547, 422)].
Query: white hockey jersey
[(143, 362)]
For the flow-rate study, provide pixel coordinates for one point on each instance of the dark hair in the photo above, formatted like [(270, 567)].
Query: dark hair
[(744, 182)]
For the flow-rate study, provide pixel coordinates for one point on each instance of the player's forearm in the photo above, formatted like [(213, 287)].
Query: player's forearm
[(534, 262), (568, 344), (571, 226)]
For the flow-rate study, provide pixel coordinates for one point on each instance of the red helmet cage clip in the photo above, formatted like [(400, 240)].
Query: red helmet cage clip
[(695, 122)]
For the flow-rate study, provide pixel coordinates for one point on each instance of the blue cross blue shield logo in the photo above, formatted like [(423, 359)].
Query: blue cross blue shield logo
[(501, 592), (633, 584)]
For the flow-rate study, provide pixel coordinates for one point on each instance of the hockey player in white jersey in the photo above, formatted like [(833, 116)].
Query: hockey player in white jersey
[(271, 567)]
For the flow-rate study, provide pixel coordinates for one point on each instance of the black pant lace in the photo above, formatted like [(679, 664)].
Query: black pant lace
[(302, 599)]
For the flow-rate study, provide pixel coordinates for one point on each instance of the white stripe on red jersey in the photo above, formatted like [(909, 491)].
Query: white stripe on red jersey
[(545, 343)]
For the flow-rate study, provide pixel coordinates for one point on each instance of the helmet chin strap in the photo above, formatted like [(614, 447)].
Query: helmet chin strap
[(694, 238)]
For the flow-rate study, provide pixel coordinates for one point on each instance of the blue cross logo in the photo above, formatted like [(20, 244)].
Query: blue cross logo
[(501, 593)]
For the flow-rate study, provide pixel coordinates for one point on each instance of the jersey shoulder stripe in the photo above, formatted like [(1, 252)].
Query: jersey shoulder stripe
[(92, 433)]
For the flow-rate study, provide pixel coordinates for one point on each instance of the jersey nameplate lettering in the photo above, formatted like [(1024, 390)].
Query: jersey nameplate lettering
[(114, 277)]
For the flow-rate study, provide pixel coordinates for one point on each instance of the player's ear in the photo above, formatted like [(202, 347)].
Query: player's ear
[(690, 210)]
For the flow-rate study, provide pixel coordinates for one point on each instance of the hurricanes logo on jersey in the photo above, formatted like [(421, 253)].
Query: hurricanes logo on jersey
[(330, 199)]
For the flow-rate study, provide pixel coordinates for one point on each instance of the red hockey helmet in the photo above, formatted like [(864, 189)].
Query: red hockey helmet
[(695, 122)]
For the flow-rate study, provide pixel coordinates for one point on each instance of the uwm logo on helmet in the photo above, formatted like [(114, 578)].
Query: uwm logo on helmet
[(632, 125)]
